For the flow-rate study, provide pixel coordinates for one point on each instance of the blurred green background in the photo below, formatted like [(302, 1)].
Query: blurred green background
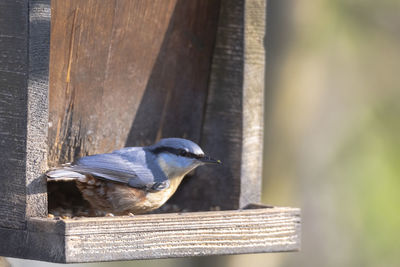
[(332, 128)]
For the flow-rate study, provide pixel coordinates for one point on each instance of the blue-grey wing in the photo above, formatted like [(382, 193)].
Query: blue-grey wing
[(131, 167)]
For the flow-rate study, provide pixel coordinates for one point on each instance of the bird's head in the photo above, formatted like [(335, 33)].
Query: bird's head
[(178, 156)]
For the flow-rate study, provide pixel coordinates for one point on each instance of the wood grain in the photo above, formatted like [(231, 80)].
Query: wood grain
[(126, 73), (24, 50), (253, 102), (32, 245), (13, 117), (181, 236), (160, 235), (232, 130), (233, 125), (37, 105)]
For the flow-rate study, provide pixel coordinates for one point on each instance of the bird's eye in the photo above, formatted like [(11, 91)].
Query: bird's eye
[(183, 153)]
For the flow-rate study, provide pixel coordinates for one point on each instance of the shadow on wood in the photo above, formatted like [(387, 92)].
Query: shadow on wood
[(134, 72)]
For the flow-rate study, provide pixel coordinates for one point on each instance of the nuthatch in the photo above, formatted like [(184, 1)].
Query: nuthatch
[(133, 179)]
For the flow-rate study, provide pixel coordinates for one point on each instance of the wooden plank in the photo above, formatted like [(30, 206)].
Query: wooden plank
[(172, 235), (253, 102), (222, 129), (13, 76), (12, 147), (38, 107), (127, 73), (174, 100), (32, 245), (13, 18), (233, 126), (23, 109)]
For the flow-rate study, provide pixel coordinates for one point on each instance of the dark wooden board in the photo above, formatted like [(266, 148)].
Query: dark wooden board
[(13, 78), (157, 236), (24, 54), (126, 73), (233, 125)]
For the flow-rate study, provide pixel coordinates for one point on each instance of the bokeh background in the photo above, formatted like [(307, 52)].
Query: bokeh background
[(332, 129)]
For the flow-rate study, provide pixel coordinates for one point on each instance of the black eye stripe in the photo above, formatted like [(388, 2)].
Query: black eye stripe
[(178, 152)]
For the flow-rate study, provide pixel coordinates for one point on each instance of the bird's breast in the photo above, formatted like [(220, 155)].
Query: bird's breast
[(120, 199), (158, 198)]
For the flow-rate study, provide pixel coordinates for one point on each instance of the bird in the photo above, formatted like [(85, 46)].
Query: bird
[(133, 180)]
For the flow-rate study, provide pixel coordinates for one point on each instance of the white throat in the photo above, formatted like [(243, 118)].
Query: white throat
[(174, 166)]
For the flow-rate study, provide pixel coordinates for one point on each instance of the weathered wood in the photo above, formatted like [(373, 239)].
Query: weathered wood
[(24, 52), (233, 126), (222, 130), (174, 100), (162, 235), (13, 117), (253, 102), (167, 99), (32, 245), (126, 73), (38, 90)]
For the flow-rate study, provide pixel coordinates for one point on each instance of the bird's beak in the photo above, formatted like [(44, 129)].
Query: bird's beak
[(209, 160)]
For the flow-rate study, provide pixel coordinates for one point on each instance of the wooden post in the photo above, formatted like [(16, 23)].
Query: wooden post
[(24, 56), (253, 102)]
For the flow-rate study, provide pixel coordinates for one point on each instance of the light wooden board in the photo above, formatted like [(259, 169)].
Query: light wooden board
[(253, 101), (161, 235)]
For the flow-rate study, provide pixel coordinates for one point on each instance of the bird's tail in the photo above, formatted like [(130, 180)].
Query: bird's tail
[(63, 173)]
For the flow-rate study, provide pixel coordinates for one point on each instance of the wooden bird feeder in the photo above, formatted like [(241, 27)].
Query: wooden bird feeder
[(109, 74)]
